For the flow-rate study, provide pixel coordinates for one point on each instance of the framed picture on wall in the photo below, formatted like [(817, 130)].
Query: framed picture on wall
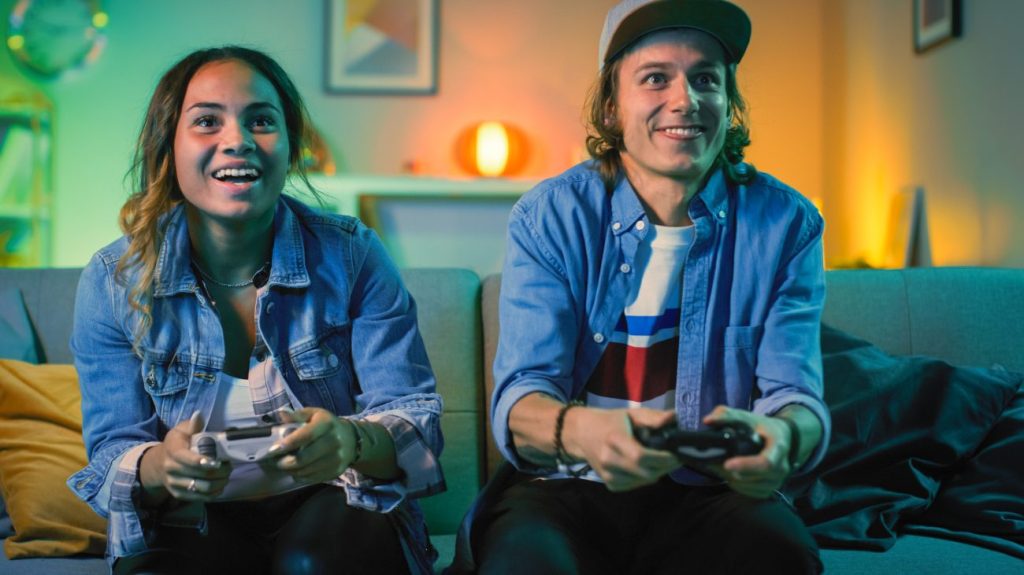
[(381, 46), (935, 21)]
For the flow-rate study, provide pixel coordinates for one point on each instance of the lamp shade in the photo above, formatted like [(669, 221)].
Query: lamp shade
[(491, 149)]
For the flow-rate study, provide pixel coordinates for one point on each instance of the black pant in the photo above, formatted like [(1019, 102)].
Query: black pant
[(308, 531), (568, 526)]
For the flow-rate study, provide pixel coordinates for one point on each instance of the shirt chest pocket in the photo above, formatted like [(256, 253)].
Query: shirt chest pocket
[(739, 350)]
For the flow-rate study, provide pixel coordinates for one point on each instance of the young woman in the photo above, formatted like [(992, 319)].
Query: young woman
[(228, 305)]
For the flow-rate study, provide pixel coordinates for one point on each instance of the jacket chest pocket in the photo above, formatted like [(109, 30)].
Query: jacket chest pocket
[(328, 366), (166, 382)]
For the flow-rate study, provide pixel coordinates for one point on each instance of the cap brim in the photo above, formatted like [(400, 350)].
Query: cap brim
[(727, 22)]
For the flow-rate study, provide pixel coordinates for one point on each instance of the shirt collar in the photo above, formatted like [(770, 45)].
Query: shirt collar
[(627, 209), (287, 261)]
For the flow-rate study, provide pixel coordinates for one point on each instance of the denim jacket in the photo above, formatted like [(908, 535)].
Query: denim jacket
[(338, 324), (752, 293)]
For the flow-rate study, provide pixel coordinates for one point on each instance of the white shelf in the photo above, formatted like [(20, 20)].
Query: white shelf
[(429, 221), (348, 190)]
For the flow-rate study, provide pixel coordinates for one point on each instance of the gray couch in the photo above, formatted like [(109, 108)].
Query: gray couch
[(969, 316)]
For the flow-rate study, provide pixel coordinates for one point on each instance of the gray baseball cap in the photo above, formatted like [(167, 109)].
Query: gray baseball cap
[(628, 20)]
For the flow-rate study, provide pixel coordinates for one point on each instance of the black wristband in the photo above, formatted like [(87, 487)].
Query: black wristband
[(561, 456), (359, 443), (794, 442)]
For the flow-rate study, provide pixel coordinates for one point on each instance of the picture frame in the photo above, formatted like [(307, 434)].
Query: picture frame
[(935, 22), (381, 47)]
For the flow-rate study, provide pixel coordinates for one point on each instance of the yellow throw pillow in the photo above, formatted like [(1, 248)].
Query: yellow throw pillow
[(40, 446)]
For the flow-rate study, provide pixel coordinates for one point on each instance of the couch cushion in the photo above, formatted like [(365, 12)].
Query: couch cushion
[(448, 309), (967, 316), (17, 339), (915, 554), (40, 446), (50, 298), (870, 304)]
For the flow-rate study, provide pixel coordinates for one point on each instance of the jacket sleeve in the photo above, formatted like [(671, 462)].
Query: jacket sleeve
[(396, 383), (118, 419)]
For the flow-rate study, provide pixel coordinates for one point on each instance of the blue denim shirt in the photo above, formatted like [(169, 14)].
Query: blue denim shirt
[(332, 294), (752, 294)]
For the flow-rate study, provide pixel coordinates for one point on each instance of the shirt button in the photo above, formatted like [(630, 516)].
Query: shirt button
[(616, 226), (261, 356), (333, 360), (690, 325), (624, 268), (598, 337), (641, 225), (721, 214), (270, 306)]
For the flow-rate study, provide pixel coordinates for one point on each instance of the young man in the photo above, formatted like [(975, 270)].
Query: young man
[(664, 283)]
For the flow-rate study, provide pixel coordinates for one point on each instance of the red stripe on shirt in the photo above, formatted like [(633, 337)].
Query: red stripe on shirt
[(636, 373)]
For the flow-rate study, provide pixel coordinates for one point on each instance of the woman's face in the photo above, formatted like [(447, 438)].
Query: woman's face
[(231, 143)]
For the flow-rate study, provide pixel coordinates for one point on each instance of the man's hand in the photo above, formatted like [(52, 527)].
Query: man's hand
[(761, 474), (604, 438)]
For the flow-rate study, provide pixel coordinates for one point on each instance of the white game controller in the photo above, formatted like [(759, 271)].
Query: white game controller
[(248, 444)]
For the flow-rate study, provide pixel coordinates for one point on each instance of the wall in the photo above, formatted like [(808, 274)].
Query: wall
[(948, 120), (529, 62)]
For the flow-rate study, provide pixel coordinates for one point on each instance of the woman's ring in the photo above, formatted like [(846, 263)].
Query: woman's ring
[(192, 486)]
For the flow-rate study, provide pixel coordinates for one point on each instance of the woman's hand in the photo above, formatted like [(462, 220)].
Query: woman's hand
[(172, 468), (322, 449), (604, 438), (761, 474)]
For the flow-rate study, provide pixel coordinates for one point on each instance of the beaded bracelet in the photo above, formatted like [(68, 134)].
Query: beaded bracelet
[(561, 456)]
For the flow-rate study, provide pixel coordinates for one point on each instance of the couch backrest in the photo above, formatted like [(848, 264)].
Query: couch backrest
[(49, 296), (967, 316), (448, 305)]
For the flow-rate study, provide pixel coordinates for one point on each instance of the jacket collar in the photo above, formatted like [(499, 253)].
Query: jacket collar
[(287, 261)]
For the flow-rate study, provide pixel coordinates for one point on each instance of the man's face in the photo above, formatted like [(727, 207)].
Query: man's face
[(672, 106)]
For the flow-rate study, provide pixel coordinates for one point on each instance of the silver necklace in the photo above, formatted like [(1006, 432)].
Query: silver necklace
[(249, 282)]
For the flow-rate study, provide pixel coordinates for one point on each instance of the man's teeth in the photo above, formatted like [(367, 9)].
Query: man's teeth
[(693, 131), (237, 173)]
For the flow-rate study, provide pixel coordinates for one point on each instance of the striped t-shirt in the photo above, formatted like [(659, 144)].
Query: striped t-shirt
[(638, 367)]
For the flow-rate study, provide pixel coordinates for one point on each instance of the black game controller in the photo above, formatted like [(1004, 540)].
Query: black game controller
[(241, 444), (712, 445)]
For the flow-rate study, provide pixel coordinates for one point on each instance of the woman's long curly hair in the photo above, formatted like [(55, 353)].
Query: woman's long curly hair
[(153, 177), (604, 134)]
